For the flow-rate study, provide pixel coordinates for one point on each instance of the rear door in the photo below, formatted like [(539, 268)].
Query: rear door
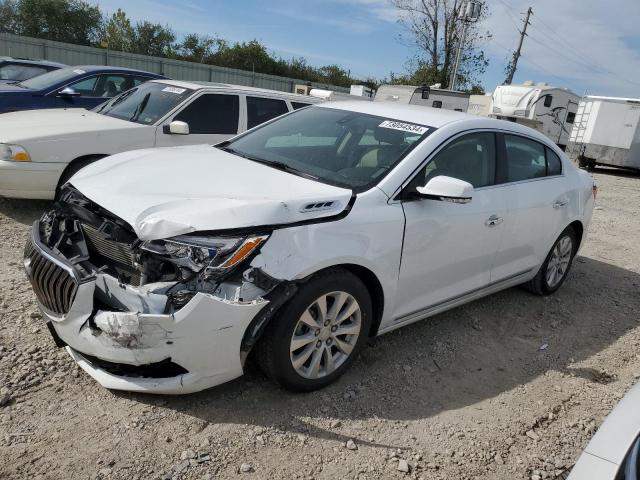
[(537, 199), (263, 109), (212, 118)]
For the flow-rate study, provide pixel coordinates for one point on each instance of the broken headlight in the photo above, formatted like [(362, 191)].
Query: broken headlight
[(208, 256)]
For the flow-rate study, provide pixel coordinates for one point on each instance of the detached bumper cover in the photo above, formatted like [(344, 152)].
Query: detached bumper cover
[(203, 337)]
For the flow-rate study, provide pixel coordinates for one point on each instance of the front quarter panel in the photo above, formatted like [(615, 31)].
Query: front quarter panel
[(370, 236)]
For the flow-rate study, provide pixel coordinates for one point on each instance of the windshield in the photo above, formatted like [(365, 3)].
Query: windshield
[(144, 104), (335, 146), (51, 79)]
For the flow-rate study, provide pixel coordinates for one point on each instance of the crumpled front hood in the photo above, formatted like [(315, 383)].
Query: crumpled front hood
[(166, 192)]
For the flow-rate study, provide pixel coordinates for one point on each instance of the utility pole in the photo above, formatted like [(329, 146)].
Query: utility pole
[(469, 12), (516, 54)]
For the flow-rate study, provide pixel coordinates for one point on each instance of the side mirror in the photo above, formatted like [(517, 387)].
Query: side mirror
[(68, 92), (447, 189), (176, 128)]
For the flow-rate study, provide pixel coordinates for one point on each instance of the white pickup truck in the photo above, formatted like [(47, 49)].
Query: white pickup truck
[(41, 149)]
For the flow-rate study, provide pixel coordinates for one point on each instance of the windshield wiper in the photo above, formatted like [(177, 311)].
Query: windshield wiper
[(270, 163), (120, 99), (141, 106)]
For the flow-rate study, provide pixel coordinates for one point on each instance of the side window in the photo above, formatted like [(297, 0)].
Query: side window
[(525, 159), (571, 117), (138, 80), (112, 85), (212, 114), (85, 87), (471, 158), (554, 165), (297, 105), (437, 104), (548, 100), (260, 110)]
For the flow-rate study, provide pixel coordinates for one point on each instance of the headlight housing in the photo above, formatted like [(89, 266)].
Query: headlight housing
[(207, 256), (14, 153)]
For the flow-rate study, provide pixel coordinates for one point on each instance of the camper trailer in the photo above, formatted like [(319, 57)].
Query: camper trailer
[(426, 96), (606, 132), (479, 105), (333, 96), (551, 110)]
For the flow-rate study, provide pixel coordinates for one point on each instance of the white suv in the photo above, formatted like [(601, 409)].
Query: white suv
[(41, 149), (160, 270)]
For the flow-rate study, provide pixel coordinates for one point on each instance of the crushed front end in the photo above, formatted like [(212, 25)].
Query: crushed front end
[(159, 316)]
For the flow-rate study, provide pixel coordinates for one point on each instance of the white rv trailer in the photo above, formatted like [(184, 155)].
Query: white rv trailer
[(551, 110), (333, 96), (606, 132), (479, 105), (426, 96)]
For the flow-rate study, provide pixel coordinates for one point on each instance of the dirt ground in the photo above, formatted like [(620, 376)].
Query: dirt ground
[(512, 386)]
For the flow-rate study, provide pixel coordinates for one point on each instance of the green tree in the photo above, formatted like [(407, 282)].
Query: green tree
[(433, 28), (9, 16), (118, 32), (197, 48), (153, 39), (72, 21)]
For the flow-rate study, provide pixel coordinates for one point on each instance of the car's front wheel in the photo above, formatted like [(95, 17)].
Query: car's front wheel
[(556, 266), (317, 335)]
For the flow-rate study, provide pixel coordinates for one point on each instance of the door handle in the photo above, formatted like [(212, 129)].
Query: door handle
[(560, 204), (493, 220)]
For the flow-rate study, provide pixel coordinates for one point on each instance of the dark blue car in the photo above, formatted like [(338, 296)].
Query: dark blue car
[(71, 87)]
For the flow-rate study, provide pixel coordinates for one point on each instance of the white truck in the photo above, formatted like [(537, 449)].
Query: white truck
[(606, 132), (550, 110), (427, 96)]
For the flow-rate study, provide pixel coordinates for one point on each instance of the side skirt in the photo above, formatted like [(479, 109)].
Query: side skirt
[(457, 301)]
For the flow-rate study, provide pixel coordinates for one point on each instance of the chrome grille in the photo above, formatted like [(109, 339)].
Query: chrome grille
[(54, 286)]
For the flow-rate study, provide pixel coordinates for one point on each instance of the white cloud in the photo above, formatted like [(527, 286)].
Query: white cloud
[(587, 43)]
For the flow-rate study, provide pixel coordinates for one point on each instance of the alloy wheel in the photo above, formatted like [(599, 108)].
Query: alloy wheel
[(559, 261), (325, 335)]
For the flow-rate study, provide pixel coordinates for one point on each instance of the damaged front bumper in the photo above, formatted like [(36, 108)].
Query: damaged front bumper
[(122, 337)]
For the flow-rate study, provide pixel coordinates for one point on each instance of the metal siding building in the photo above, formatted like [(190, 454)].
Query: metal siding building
[(18, 46)]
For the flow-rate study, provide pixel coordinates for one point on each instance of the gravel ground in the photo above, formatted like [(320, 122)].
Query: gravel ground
[(512, 386)]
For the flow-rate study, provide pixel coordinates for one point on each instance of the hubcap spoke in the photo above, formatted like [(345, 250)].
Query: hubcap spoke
[(321, 303), (300, 341), (343, 346), (316, 358), (352, 308), (348, 330), (299, 360), (329, 366), (308, 320), (338, 302)]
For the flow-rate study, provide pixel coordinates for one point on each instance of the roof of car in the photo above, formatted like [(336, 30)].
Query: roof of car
[(109, 68), (32, 61), (227, 86), (432, 117)]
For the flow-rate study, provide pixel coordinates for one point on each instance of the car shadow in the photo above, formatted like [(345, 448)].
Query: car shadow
[(616, 172), (455, 359), (23, 211)]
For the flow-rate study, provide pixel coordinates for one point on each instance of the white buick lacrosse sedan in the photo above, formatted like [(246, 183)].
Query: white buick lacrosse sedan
[(163, 270)]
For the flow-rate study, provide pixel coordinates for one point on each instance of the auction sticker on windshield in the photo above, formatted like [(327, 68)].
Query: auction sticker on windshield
[(174, 90), (405, 127)]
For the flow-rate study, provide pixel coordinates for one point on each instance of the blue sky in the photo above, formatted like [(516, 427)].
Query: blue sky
[(586, 45)]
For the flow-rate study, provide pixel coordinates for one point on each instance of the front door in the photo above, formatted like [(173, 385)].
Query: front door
[(449, 248), (212, 118)]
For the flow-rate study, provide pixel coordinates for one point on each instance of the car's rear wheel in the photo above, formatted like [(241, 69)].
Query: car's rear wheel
[(556, 266), (318, 334)]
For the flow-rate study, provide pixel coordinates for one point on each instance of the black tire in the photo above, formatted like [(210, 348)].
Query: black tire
[(272, 353), (74, 167), (539, 284)]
